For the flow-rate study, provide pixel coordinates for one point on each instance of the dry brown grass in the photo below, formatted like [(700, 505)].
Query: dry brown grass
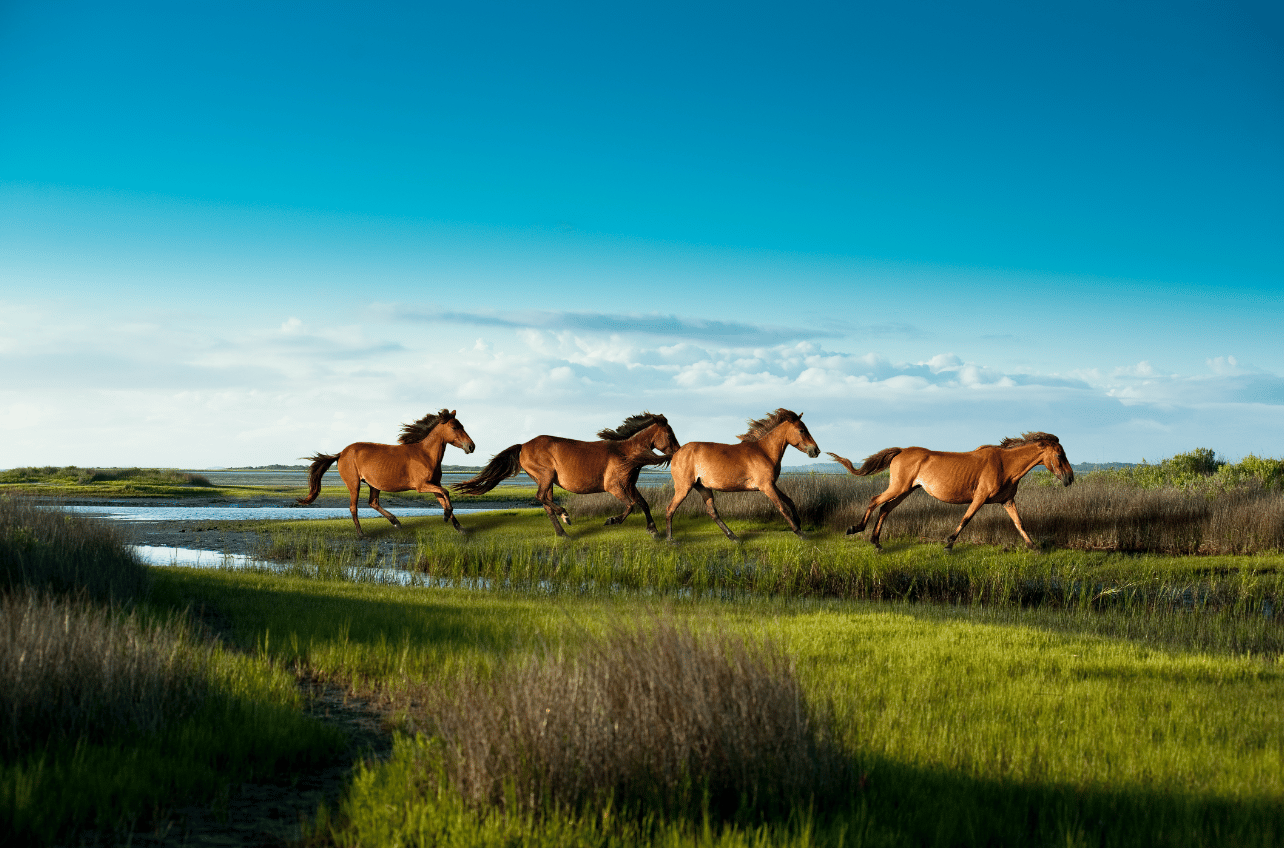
[(73, 670), (656, 716)]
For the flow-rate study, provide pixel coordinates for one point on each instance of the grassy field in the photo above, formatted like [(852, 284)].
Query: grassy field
[(612, 689)]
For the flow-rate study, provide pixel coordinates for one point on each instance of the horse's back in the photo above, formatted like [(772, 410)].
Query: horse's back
[(390, 468), (718, 465)]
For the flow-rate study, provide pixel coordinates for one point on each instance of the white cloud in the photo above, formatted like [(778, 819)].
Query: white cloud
[(181, 392)]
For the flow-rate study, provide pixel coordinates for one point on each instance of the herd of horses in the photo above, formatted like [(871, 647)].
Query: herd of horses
[(989, 474)]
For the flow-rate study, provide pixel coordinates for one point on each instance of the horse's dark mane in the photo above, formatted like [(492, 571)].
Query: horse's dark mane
[(762, 426), (632, 425), (1029, 439), (419, 430)]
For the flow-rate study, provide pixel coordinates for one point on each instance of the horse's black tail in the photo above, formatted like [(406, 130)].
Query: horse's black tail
[(503, 465), (320, 462), (873, 463)]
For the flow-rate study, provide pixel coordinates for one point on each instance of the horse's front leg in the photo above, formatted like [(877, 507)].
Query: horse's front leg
[(785, 505), (1010, 506), (447, 508)]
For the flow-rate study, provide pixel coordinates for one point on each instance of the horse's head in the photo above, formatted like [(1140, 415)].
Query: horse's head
[(801, 438), (455, 433), (663, 438), (1054, 459)]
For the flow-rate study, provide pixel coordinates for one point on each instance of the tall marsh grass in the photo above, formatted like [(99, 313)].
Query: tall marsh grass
[(72, 670), (48, 549), (1104, 510), (82, 476)]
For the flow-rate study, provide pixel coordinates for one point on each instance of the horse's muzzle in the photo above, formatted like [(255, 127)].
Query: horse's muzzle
[(1068, 478), (813, 451)]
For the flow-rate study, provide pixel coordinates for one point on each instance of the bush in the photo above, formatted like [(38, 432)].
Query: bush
[(640, 718)]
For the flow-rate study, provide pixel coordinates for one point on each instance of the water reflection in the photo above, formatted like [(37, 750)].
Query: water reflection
[(195, 558), (246, 513)]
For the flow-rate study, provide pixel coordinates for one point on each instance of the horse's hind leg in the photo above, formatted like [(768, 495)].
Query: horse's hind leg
[(882, 516), (354, 492), (681, 488), (874, 503), (707, 493), (374, 502)]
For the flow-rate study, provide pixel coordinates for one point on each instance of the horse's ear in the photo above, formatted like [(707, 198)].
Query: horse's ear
[(453, 412)]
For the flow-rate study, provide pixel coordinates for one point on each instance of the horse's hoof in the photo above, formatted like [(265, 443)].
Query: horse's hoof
[(611, 521), (852, 531)]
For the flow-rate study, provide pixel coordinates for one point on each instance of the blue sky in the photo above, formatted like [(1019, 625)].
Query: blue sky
[(241, 233)]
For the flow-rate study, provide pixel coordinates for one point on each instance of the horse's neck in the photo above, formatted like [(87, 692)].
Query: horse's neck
[(1023, 460), (640, 442), (774, 443), (433, 447)]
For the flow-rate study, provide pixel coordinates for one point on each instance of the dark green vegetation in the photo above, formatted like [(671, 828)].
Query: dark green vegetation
[(70, 481), (616, 690), (109, 704)]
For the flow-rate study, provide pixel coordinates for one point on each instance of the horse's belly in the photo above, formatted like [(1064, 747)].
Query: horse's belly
[(944, 494)]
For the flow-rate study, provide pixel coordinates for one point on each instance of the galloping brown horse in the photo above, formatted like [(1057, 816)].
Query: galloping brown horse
[(989, 474), (415, 463), (753, 465), (610, 465)]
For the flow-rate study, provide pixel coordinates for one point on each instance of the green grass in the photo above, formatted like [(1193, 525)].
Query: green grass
[(1015, 726)]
